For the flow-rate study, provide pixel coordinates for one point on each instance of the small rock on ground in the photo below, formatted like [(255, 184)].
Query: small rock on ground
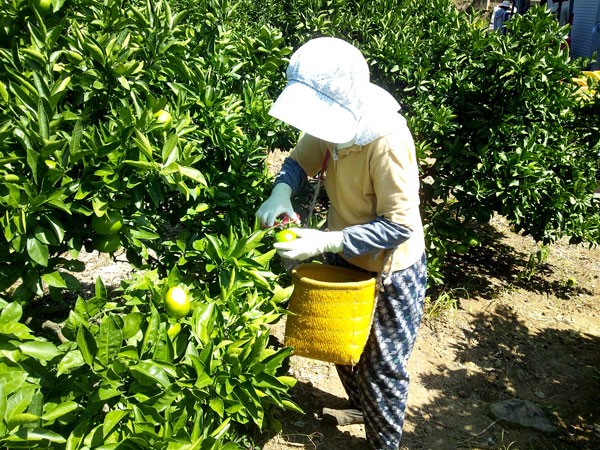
[(521, 413)]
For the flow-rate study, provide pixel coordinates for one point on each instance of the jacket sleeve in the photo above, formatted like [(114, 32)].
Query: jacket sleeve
[(379, 234), (292, 174)]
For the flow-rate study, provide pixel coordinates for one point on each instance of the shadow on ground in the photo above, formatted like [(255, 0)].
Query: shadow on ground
[(501, 358), (476, 271), (497, 355), (307, 431)]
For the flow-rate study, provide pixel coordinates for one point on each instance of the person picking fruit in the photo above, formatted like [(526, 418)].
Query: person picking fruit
[(352, 129)]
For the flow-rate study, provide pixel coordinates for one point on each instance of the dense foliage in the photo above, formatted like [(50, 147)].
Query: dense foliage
[(497, 123), (144, 126)]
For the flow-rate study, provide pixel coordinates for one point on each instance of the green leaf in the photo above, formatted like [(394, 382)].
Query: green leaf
[(274, 361), (282, 294), (101, 291), (109, 341), (71, 361), (217, 405), (148, 373), (54, 279), (75, 141), (213, 247), (4, 92), (21, 419), (36, 407), (37, 251), (142, 164), (87, 345), (56, 226), (165, 399), (40, 350), (42, 120), (20, 400), (2, 400), (144, 145), (221, 429), (203, 321), (76, 437), (133, 323), (32, 159), (168, 155), (60, 410), (60, 86), (11, 313), (112, 420), (246, 245), (291, 406), (152, 332), (194, 174), (95, 304), (32, 435), (11, 379), (267, 381)]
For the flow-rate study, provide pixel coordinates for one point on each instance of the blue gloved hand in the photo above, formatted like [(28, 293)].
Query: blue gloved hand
[(309, 243), (276, 205)]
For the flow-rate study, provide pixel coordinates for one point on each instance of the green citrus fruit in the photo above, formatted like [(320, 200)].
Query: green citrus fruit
[(174, 330), (163, 118), (44, 5), (107, 243), (110, 223), (285, 236), (177, 302)]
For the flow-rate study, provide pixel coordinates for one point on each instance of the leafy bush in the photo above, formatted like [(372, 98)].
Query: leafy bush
[(122, 378), (152, 117), (140, 127), (82, 87), (498, 127)]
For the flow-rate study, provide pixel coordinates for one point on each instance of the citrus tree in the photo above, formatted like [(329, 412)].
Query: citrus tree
[(120, 125), (136, 128), (498, 124), (142, 127)]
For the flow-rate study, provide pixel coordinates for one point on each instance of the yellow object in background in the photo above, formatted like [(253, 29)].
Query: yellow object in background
[(584, 92), (592, 74), (330, 313)]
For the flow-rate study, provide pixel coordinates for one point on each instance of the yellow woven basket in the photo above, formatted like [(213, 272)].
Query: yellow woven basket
[(330, 313)]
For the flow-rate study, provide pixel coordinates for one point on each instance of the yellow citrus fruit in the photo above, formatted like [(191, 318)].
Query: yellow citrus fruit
[(163, 118), (285, 236), (110, 223), (177, 302), (174, 330), (106, 243)]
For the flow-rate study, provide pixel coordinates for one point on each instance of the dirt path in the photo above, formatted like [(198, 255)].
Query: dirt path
[(510, 336)]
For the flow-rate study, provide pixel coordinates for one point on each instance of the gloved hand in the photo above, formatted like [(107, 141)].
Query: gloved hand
[(276, 205), (309, 243)]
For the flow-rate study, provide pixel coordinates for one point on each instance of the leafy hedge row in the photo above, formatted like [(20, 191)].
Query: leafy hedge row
[(154, 115), (137, 126), (495, 117)]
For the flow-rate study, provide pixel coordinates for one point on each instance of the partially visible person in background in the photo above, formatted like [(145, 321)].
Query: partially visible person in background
[(500, 15), (562, 9), (522, 6)]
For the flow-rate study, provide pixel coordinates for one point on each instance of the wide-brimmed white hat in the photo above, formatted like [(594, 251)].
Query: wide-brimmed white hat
[(329, 91)]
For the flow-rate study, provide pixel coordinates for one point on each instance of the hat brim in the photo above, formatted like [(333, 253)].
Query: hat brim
[(316, 114)]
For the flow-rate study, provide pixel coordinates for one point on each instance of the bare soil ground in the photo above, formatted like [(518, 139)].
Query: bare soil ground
[(533, 338), (511, 335)]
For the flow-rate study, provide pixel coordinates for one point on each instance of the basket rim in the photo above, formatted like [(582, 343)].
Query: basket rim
[(366, 280)]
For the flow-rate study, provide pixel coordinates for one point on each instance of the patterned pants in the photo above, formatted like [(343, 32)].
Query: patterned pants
[(378, 384)]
